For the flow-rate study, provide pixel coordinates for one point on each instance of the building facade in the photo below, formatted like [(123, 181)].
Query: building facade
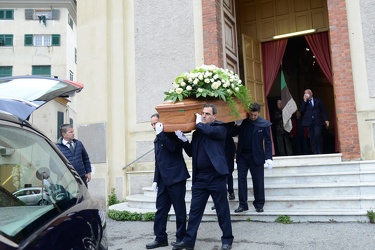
[(131, 51), (39, 38)]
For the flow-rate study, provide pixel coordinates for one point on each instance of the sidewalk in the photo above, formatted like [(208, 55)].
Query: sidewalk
[(126, 235)]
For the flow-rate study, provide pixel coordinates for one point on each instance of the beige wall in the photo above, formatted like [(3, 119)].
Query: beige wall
[(364, 103), (126, 61)]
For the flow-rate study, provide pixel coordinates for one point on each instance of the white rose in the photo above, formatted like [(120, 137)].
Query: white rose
[(188, 88), (183, 84), (214, 85), (195, 82), (179, 90), (207, 80), (200, 90), (236, 89)]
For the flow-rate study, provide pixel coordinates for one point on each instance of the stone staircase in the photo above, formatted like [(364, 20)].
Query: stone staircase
[(314, 188)]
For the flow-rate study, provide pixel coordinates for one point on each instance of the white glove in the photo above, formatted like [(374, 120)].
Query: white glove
[(198, 118), (181, 135), (269, 164), (154, 186), (158, 127)]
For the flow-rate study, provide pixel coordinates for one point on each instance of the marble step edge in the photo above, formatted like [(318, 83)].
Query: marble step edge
[(143, 198)]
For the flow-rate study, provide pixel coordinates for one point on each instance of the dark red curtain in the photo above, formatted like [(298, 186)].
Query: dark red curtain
[(318, 43), (272, 53)]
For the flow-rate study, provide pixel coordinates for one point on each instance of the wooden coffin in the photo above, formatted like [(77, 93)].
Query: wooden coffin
[(181, 115)]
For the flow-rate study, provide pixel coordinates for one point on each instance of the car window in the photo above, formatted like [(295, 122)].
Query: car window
[(45, 185)]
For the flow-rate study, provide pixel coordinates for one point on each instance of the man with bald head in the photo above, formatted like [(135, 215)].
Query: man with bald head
[(314, 118)]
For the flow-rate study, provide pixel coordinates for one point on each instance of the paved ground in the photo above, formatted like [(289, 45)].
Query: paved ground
[(125, 235)]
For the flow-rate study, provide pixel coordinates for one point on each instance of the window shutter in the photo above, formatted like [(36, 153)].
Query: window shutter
[(60, 121), (55, 14), (28, 40), (6, 71), (9, 14), (8, 40), (41, 70), (55, 40), (29, 14)]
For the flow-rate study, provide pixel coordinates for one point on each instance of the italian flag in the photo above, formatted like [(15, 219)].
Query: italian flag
[(289, 104)]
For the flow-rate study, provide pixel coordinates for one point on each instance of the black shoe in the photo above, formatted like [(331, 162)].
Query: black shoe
[(213, 207), (232, 196), (259, 210), (156, 244), (240, 210), (181, 245), (172, 244), (226, 247)]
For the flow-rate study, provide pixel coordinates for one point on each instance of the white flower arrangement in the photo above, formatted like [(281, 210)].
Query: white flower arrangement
[(209, 81)]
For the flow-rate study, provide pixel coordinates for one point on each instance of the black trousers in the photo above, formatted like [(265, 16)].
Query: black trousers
[(207, 184), (166, 197), (245, 163), (316, 138)]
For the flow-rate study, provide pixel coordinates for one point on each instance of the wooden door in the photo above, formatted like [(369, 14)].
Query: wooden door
[(230, 35), (253, 71)]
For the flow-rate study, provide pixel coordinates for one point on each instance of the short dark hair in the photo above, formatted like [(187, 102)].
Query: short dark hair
[(156, 114), (254, 107), (210, 105), (64, 128)]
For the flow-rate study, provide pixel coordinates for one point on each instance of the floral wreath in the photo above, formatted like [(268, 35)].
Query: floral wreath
[(209, 81)]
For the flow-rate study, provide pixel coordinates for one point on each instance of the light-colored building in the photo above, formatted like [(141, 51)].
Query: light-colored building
[(131, 51), (39, 38)]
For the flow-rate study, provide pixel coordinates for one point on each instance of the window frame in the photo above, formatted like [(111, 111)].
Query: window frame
[(5, 12), (8, 40), (31, 40)]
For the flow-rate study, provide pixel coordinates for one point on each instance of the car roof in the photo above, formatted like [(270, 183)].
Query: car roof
[(21, 95)]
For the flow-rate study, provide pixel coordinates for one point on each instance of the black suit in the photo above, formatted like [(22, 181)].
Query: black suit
[(314, 116), (230, 151), (211, 139), (254, 147), (170, 174)]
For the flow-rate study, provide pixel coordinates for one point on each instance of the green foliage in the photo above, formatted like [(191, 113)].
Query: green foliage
[(128, 216), (149, 216), (209, 81), (112, 198), (248, 219), (285, 219), (371, 215)]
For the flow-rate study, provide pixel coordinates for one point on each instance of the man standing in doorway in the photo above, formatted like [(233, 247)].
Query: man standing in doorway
[(169, 182), (254, 149), (75, 152), (284, 144), (314, 118), (210, 172)]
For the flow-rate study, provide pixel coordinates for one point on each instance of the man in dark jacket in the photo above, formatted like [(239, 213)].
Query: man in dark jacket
[(210, 170), (254, 149), (75, 152), (314, 118), (169, 182)]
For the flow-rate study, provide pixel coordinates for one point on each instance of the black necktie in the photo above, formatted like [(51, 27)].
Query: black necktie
[(71, 146)]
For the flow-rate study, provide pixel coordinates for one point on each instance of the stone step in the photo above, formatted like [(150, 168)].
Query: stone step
[(306, 188), (280, 203), (327, 215), (300, 189)]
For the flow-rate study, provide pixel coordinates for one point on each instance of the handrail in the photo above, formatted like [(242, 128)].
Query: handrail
[(138, 159)]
